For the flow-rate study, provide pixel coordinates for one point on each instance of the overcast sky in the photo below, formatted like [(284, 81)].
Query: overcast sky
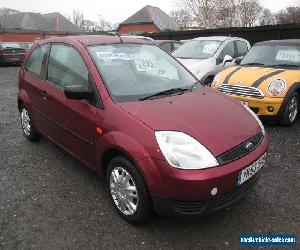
[(111, 10)]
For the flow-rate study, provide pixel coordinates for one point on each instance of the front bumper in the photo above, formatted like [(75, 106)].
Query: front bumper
[(267, 106), (193, 188), (173, 208)]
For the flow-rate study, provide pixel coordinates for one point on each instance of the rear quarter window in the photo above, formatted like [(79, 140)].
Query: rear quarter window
[(34, 63), (167, 47)]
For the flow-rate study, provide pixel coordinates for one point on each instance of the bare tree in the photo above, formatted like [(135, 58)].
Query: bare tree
[(104, 25), (6, 11), (248, 12), (225, 13), (267, 18), (90, 26), (289, 15), (202, 12), (78, 19), (182, 18), (222, 13)]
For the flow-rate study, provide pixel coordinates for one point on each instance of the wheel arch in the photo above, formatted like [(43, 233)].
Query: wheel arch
[(295, 87), (23, 100), (117, 143), (108, 155)]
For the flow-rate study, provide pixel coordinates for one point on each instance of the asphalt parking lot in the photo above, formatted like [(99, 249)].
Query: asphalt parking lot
[(49, 201)]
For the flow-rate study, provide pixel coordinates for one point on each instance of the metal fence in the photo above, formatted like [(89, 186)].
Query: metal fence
[(252, 34)]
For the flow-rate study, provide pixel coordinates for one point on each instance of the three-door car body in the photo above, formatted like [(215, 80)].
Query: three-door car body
[(131, 112), (267, 80)]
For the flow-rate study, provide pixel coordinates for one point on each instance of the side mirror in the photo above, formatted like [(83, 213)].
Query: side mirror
[(238, 60), (77, 92), (227, 59)]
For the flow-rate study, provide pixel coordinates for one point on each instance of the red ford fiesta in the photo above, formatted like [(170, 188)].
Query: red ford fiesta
[(131, 112)]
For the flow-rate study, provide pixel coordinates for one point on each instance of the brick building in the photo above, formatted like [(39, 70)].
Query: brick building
[(149, 19), (26, 27)]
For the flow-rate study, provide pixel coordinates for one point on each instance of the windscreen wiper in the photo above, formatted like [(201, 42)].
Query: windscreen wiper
[(165, 93), (250, 64)]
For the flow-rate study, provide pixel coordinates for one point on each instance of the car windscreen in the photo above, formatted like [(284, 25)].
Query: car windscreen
[(197, 49), (273, 55), (10, 46), (133, 71)]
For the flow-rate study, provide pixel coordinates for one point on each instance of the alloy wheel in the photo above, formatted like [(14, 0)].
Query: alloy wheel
[(124, 191), (25, 122), (293, 109)]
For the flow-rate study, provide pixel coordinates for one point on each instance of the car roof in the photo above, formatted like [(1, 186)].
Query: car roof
[(288, 42), (139, 37), (217, 38), (95, 39)]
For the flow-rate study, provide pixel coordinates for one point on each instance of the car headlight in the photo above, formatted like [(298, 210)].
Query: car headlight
[(257, 119), (184, 152), (276, 87), (216, 80)]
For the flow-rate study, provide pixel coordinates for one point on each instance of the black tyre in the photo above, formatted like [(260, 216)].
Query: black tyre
[(291, 110), (28, 128), (128, 191)]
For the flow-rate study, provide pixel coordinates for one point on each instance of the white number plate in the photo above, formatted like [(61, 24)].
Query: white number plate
[(248, 172), (245, 103)]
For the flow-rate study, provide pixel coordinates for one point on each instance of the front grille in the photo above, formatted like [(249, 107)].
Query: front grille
[(202, 207), (241, 150), (190, 208), (241, 90)]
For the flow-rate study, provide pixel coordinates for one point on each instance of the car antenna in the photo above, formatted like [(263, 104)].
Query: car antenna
[(120, 37)]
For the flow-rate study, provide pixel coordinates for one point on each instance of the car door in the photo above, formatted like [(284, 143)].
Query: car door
[(70, 123), (33, 78), (228, 49)]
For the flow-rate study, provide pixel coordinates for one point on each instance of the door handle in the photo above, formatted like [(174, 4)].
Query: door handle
[(44, 94)]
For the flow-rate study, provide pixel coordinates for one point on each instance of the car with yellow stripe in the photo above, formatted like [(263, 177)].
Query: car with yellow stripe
[(267, 80)]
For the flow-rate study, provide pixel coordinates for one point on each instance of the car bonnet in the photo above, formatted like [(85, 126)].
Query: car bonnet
[(213, 119)]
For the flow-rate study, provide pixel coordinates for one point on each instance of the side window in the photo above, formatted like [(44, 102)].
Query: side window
[(66, 67), (242, 48), (167, 47), (34, 63), (176, 46), (227, 50)]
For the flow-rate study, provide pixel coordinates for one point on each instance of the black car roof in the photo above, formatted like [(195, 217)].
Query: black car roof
[(287, 42)]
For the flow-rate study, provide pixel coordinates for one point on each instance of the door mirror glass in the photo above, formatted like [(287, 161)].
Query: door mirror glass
[(77, 92), (227, 59)]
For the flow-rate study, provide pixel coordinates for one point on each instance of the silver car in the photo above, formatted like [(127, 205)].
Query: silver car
[(207, 56)]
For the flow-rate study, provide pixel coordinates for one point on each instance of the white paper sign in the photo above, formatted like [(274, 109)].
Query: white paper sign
[(288, 55), (114, 56), (144, 64), (210, 48)]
